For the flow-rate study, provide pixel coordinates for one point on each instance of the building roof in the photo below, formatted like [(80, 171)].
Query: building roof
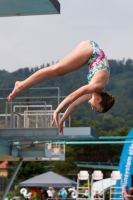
[(3, 164)]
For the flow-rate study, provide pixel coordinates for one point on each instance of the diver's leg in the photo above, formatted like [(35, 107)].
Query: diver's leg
[(73, 61)]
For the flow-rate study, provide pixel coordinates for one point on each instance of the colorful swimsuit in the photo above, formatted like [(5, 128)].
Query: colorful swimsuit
[(97, 61)]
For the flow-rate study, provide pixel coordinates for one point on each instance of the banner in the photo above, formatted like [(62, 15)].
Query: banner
[(126, 163)]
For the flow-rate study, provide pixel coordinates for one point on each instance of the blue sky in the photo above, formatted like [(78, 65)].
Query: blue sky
[(31, 41)]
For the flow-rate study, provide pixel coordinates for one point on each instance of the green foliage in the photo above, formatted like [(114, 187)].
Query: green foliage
[(17, 191), (29, 170), (75, 123)]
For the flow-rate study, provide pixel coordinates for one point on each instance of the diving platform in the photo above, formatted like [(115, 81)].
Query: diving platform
[(52, 134), (26, 130), (9, 8), (40, 143), (98, 165), (27, 133)]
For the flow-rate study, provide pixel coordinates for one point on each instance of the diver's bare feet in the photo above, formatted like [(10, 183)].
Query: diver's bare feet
[(16, 91)]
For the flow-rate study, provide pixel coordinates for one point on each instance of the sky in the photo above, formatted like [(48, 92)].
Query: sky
[(30, 41)]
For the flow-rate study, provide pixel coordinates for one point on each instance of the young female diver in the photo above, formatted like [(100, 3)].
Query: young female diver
[(98, 75)]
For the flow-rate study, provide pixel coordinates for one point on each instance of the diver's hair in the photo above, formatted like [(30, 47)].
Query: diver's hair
[(107, 101)]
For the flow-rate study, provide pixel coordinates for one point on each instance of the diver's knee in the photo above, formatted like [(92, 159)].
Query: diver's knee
[(57, 70)]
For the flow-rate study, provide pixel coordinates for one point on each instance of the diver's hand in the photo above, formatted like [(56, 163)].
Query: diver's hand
[(55, 119), (58, 125), (60, 128)]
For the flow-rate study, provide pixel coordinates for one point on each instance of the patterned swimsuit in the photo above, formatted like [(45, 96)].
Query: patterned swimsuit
[(97, 61)]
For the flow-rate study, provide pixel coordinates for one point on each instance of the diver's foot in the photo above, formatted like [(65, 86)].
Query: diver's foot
[(16, 91)]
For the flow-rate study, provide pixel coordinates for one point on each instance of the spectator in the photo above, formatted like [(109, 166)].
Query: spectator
[(126, 194), (44, 195), (97, 196), (50, 192), (131, 191), (63, 193), (39, 193), (86, 193)]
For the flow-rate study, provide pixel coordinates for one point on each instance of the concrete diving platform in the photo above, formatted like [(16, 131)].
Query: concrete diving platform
[(10, 8), (40, 143), (33, 134)]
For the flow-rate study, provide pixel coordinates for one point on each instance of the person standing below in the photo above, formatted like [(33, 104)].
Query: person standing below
[(53, 192), (97, 196), (50, 192), (44, 195), (63, 193), (39, 193), (126, 194)]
